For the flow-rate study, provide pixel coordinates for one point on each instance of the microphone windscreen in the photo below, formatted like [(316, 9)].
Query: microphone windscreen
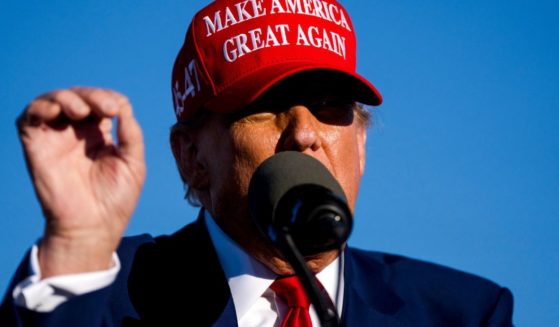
[(281, 173)]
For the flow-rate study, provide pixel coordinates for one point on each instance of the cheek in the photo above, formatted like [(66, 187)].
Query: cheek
[(345, 157), (251, 146)]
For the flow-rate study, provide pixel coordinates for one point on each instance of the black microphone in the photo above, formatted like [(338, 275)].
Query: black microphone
[(301, 208), (294, 193)]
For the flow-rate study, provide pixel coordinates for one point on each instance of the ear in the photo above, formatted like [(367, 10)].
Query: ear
[(185, 152), (361, 144)]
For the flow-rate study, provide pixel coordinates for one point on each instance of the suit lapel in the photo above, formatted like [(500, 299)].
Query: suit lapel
[(178, 280)]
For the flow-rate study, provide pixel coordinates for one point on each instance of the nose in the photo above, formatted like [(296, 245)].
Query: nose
[(301, 130)]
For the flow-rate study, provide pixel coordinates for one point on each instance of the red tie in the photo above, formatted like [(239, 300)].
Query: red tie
[(290, 290)]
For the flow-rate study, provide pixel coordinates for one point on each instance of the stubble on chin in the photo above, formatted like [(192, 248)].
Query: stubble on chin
[(276, 263)]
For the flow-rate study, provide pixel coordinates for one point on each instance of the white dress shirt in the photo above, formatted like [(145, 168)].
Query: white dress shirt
[(248, 279), (47, 294)]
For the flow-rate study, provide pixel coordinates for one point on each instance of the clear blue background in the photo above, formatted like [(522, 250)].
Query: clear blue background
[(463, 161)]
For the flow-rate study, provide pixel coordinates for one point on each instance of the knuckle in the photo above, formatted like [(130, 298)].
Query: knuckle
[(60, 94), (99, 96), (53, 95), (87, 92), (80, 90), (62, 97), (115, 94), (96, 92), (38, 105), (33, 104)]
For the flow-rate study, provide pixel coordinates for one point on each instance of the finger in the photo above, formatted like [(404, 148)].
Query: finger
[(37, 112), (51, 106), (102, 102), (72, 105), (106, 125), (42, 109), (129, 133)]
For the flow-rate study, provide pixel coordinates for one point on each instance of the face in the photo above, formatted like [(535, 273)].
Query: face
[(312, 119)]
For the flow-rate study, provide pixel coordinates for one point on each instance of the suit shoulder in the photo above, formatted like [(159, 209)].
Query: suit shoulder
[(419, 271), (130, 244), (441, 288)]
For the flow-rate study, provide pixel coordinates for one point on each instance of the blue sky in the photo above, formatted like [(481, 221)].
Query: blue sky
[(462, 163)]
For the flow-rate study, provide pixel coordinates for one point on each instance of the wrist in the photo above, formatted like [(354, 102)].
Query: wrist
[(62, 255)]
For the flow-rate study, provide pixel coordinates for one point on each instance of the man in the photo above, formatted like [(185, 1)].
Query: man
[(254, 78)]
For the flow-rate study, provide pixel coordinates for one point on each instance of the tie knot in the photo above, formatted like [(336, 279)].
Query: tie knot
[(291, 291)]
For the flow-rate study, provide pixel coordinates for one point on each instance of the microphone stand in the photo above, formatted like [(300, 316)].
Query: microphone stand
[(324, 307), (296, 202)]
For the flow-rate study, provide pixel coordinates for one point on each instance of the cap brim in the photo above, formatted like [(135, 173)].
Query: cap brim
[(247, 89)]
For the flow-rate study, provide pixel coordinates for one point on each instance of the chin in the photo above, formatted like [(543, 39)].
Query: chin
[(319, 261), (315, 263)]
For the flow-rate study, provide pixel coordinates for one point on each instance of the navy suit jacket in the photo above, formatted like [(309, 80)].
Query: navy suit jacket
[(177, 281)]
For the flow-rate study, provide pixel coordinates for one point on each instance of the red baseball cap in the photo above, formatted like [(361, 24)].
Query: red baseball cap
[(235, 50)]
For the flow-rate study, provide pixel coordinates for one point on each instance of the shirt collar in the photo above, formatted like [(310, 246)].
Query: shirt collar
[(248, 279)]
